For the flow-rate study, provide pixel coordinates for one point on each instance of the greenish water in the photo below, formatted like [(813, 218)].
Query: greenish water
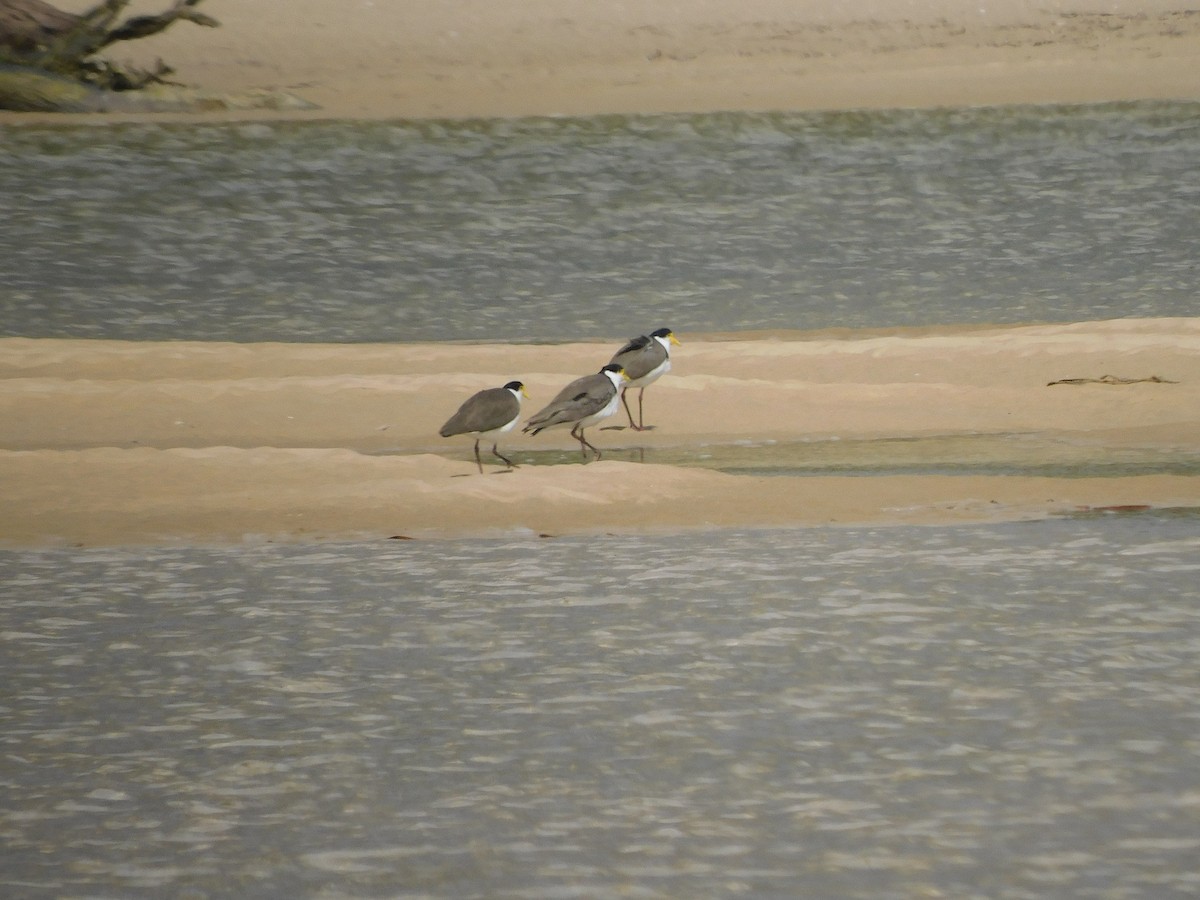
[(983, 454)]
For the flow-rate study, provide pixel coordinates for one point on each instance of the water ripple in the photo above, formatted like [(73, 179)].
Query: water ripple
[(1005, 711), (566, 229)]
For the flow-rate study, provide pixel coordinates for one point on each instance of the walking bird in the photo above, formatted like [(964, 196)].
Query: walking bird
[(581, 403), (488, 414)]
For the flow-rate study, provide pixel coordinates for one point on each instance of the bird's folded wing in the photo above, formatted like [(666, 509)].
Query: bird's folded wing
[(638, 343), (578, 399)]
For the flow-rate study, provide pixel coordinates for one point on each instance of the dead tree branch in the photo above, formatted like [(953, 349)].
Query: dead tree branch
[(37, 36)]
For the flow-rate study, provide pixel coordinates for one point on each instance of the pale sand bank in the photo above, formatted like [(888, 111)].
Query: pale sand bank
[(466, 58), (105, 442)]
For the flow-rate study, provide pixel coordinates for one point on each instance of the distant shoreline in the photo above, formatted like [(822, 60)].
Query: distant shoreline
[(508, 58)]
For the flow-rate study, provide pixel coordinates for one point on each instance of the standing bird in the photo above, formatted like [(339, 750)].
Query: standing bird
[(645, 359), (581, 403), (488, 413)]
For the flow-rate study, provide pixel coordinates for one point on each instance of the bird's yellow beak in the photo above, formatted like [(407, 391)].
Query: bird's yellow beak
[(524, 393), (674, 340), (624, 375)]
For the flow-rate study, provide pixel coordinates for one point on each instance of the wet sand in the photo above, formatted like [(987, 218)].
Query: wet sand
[(107, 442)]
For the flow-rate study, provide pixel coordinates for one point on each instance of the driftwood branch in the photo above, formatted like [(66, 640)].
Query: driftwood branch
[(144, 26), (39, 38), (48, 63), (1112, 379), (66, 50)]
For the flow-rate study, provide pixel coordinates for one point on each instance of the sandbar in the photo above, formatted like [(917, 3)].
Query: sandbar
[(111, 442)]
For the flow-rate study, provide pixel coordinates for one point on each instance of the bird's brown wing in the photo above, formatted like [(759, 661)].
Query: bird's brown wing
[(484, 411), (578, 400), (639, 356)]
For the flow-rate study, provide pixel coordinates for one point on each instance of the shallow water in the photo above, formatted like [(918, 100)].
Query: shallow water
[(1030, 455), (1006, 712), (565, 229)]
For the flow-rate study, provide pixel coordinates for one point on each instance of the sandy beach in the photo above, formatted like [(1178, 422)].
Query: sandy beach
[(109, 442), (466, 58)]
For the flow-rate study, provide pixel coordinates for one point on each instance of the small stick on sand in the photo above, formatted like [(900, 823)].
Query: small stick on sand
[(1112, 379)]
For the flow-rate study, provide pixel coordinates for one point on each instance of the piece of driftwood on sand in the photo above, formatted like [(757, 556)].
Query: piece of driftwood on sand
[(49, 62), (1113, 379)]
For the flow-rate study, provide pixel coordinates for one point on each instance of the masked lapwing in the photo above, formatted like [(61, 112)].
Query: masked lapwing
[(581, 403), (645, 360), (488, 414)]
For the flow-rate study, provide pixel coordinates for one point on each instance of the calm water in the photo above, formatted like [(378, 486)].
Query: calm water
[(1004, 712), (562, 229), (1030, 455)]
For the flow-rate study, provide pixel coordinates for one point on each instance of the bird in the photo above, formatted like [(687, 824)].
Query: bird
[(581, 403), (487, 414), (645, 359)]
